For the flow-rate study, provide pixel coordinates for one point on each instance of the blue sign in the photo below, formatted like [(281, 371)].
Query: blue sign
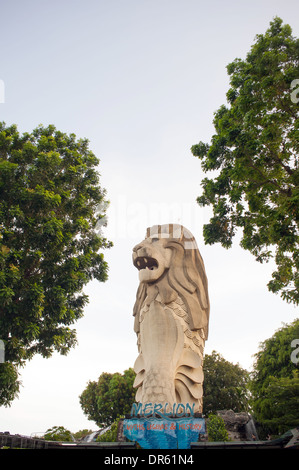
[(155, 433)]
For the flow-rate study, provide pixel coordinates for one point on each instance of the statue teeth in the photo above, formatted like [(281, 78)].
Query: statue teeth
[(145, 260), (138, 263)]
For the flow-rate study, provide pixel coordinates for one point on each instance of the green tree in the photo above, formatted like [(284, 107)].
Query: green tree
[(254, 153), (108, 398), (277, 410), (216, 429), (58, 433), (225, 385), (50, 203), (9, 383), (275, 382)]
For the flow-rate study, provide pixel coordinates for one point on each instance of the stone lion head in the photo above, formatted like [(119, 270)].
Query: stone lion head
[(169, 263)]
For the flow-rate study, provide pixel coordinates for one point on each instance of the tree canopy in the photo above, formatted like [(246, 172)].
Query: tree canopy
[(9, 383), (275, 382), (50, 203), (254, 153), (58, 433), (225, 385), (113, 395)]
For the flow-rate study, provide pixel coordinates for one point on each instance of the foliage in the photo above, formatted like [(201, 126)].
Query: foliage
[(82, 433), (9, 383), (278, 409), (111, 434), (225, 385), (58, 433), (275, 382), (49, 247), (111, 396), (216, 429), (255, 154)]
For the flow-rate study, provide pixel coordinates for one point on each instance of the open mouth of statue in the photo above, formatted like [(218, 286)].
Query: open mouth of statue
[(144, 262)]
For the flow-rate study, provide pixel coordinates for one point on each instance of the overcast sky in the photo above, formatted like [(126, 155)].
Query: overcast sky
[(141, 80)]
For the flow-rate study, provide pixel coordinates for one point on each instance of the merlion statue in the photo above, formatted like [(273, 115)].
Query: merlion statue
[(171, 318)]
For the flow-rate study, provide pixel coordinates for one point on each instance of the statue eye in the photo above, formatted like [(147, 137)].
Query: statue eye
[(155, 240)]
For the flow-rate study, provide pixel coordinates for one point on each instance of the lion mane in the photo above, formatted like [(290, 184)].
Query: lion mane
[(185, 277)]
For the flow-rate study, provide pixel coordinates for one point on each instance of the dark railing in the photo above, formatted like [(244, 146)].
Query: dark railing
[(288, 440), (17, 441)]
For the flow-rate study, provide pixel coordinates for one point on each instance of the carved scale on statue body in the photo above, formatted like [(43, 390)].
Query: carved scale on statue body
[(171, 318)]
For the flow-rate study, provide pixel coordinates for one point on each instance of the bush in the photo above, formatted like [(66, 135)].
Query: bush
[(111, 434), (58, 433), (216, 429)]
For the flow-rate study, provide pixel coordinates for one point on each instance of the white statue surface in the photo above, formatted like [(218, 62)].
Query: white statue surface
[(171, 318)]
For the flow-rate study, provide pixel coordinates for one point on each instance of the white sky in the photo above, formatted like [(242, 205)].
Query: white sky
[(141, 80)]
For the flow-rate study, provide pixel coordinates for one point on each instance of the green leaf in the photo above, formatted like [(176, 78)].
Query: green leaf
[(254, 153), (49, 194)]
